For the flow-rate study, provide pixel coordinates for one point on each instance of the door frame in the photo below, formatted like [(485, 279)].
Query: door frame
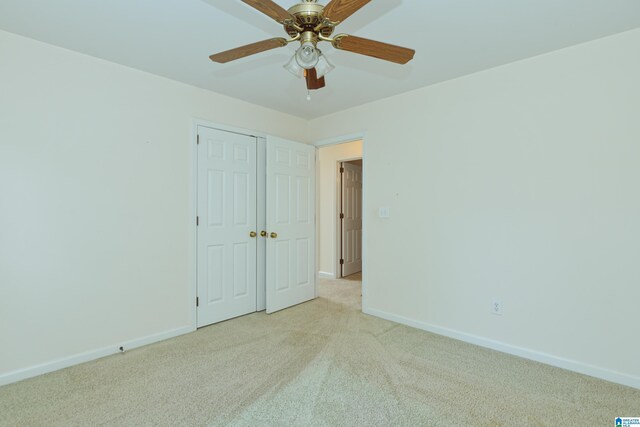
[(193, 209), (361, 136)]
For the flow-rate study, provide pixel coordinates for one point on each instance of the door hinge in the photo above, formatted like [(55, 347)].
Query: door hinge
[(198, 139), (197, 221), (197, 302), (341, 216), (341, 262), (341, 170)]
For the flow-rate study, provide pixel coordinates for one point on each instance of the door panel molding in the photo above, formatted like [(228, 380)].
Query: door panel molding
[(261, 213), (291, 215), (351, 219), (226, 276)]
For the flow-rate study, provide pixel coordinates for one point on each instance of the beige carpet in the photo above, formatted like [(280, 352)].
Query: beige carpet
[(320, 363), (355, 276)]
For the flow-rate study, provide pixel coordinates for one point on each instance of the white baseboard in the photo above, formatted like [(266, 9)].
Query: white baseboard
[(44, 368), (325, 275), (548, 359)]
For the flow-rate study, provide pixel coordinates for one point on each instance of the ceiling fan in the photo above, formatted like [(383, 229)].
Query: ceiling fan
[(310, 23)]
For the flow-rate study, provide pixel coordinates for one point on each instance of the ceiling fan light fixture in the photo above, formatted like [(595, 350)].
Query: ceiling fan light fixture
[(323, 67), (307, 55), (293, 67), (310, 23)]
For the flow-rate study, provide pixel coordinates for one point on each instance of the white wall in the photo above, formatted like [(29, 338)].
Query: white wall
[(95, 212), (520, 183), (328, 158)]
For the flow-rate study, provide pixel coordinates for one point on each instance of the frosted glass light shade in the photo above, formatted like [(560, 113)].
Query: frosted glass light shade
[(293, 67), (307, 56), (323, 67)]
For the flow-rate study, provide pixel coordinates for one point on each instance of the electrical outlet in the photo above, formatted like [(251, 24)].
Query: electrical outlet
[(496, 307)]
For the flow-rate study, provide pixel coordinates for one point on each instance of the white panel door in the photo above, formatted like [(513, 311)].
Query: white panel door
[(352, 221), (226, 252), (290, 223)]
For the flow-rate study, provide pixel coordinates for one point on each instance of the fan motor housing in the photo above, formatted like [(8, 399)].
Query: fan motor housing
[(308, 15)]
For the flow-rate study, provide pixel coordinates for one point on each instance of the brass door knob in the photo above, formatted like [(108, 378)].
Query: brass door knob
[(253, 234), (263, 233), (274, 235)]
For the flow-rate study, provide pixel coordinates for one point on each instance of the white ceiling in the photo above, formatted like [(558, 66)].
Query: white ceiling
[(173, 38)]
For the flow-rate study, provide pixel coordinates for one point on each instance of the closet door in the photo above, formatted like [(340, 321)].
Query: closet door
[(290, 223), (227, 221)]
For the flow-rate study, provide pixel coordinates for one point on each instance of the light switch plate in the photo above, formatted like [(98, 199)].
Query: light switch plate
[(384, 212)]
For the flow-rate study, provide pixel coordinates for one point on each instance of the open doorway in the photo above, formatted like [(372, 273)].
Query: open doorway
[(329, 193), (340, 217)]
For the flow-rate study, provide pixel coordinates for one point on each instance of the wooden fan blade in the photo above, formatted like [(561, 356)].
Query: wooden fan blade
[(271, 9), (388, 52), (313, 82), (339, 10), (250, 49)]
